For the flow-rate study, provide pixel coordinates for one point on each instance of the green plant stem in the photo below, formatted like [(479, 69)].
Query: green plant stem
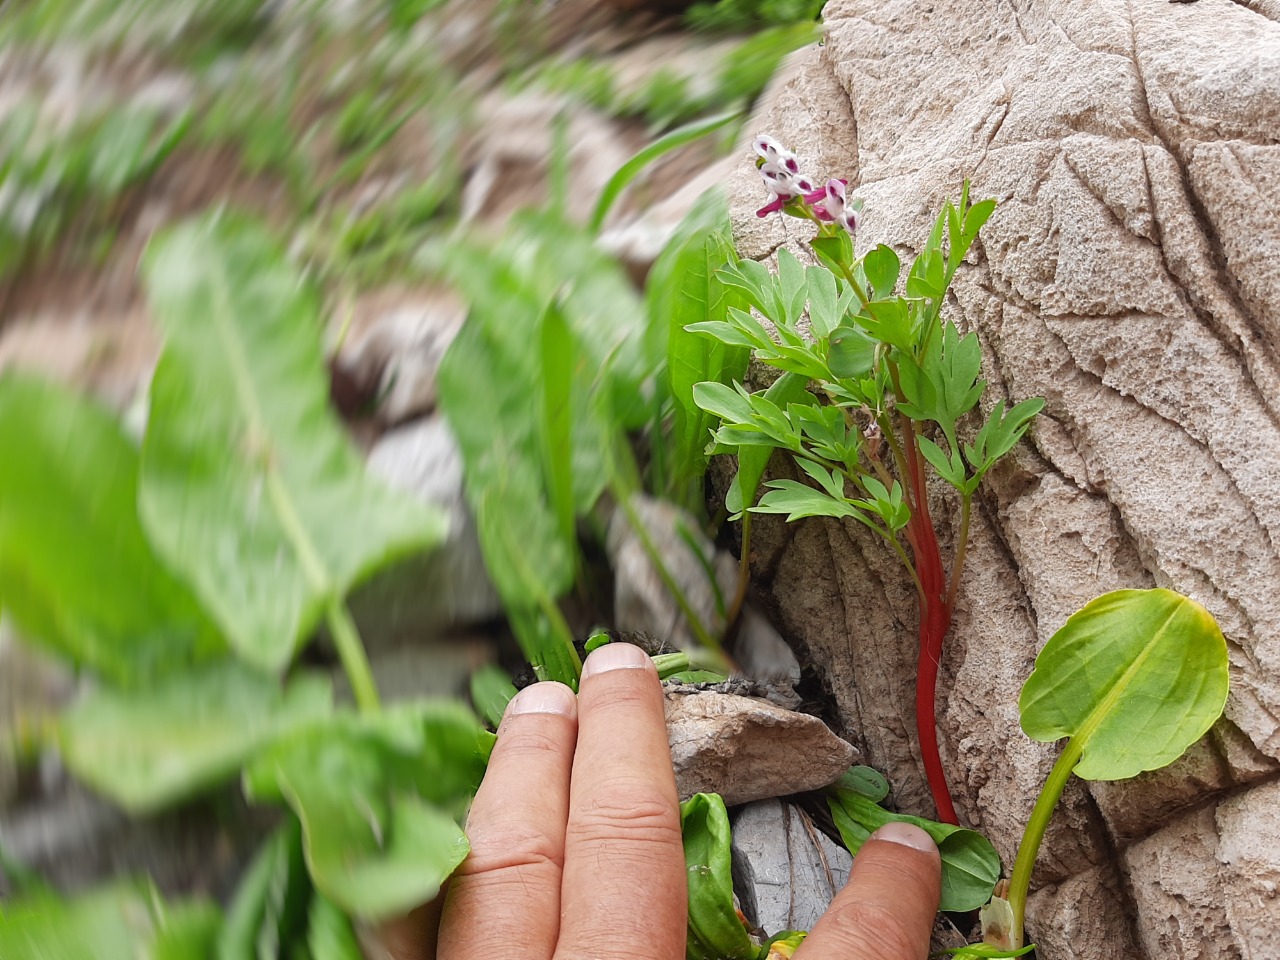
[(744, 573), (962, 549), (699, 631), (355, 662), (351, 652), (1020, 880)]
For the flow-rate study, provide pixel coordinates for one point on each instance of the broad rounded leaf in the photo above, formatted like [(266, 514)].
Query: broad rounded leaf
[(148, 748), (249, 485), (970, 864), (76, 573), (1134, 677)]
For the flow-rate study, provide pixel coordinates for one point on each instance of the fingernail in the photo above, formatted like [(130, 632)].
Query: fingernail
[(616, 656), (907, 834), (545, 697)]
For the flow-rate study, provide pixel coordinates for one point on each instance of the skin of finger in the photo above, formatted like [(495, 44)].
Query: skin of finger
[(624, 893), (412, 936), (503, 903), (885, 911)]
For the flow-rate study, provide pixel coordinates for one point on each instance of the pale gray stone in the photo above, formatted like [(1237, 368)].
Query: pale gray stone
[(786, 871), (448, 587)]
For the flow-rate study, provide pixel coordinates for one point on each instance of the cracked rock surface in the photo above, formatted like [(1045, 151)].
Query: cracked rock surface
[(1131, 276)]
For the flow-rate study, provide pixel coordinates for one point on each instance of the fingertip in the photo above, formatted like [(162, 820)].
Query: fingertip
[(616, 656), (907, 835), (548, 696)]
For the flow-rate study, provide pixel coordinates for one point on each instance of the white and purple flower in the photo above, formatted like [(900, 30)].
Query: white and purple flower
[(780, 171)]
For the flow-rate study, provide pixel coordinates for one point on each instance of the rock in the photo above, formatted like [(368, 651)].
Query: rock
[(746, 749), (760, 652), (75, 840), (1129, 276), (785, 871), (1085, 917), (642, 602), (1180, 898), (1249, 854), (449, 586), (394, 348)]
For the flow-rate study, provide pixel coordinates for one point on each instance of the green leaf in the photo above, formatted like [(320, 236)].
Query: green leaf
[(126, 921), (797, 501), (852, 353), (944, 386), (665, 144), (788, 389), (685, 294), (950, 469), (76, 573), (1001, 431), (881, 267), (149, 748), (834, 251), (829, 300), (867, 781), (792, 286), (188, 931), (492, 690), (330, 935), (986, 951), (378, 797), (485, 382), (715, 931), (249, 486), (970, 864), (1134, 678), (732, 404), (269, 908), (890, 323), (558, 355)]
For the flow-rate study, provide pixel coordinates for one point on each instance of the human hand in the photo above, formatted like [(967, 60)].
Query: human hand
[(576, 851)]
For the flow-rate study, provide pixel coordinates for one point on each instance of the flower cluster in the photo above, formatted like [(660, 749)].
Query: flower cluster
[(780, 171)]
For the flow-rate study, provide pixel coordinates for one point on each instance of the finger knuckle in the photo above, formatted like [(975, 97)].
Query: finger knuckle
[(872, 929), (510, 849), (634, 811)]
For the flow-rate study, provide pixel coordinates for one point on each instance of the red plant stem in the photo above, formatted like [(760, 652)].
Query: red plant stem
[(935, 621)]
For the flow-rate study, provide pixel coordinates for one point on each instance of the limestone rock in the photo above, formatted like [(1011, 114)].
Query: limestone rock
[(786, 871), (642, 602), (395, 346), (449, 586), (1130, 277), (747, 749)]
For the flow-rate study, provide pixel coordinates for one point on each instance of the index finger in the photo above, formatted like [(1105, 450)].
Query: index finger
[(623, 894), (886, 909)]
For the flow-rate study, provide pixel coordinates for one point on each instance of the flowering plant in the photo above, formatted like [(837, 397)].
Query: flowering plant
[(894, 381)]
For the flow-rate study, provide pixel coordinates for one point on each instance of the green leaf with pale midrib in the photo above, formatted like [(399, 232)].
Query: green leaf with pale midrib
[(378, 797), (1134, 677), (148, 748), (76, 573), (249, 486)]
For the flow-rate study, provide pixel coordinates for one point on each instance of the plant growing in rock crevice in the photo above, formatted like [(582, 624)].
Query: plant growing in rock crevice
[(890, 370)]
